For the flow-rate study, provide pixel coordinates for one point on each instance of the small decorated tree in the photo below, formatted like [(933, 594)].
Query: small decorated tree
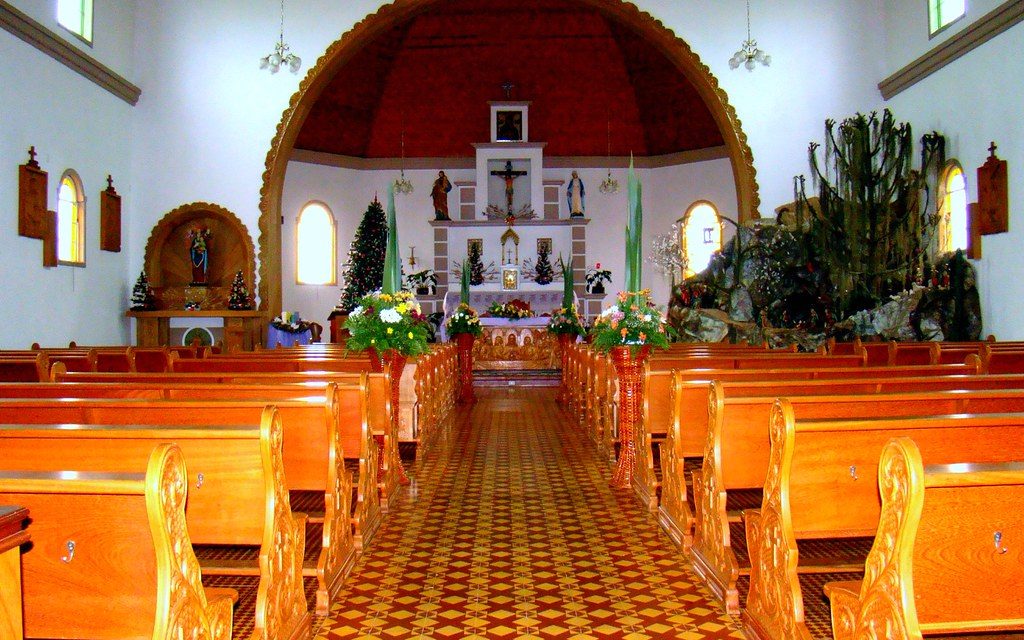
[(544, 273), (142, 295), (238, 299), (475, 266), (364, 270)]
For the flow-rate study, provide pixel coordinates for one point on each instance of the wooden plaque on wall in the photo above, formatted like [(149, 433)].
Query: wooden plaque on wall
[(110, 218), (993, 200), (50, 239), (31, 199)]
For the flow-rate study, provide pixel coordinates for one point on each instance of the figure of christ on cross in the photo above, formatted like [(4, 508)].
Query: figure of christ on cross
[(509, 176)]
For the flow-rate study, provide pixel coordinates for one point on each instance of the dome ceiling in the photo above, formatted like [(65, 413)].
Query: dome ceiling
[(433, 76)]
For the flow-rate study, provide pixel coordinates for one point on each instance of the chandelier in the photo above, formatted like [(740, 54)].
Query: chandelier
[(282, 55), (609, 184), (402, 185), (749, 55)]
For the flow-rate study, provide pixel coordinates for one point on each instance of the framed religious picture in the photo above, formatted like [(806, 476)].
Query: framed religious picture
[(510, 278), (543, 244), (508, 125)]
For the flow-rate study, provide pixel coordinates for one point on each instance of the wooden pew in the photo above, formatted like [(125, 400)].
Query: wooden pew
[(737, 450), (237, 495), (111, 556), (24, 369), (821, 485), (688, 405), (921, 578), (13, 534), (319, 425)]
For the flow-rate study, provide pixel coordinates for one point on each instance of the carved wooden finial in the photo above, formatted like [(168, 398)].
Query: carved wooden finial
[(32, 157), (992, 149)]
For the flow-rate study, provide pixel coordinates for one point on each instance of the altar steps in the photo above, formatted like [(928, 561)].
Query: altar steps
[(517, 378)]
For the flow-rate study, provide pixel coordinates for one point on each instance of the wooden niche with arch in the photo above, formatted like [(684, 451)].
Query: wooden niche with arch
[(169, 264)]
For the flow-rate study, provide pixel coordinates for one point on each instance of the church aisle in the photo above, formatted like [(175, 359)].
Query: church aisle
[(511, 531)]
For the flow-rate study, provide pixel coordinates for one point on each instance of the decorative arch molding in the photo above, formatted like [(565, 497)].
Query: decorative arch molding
[(166, 258), (372, 26)]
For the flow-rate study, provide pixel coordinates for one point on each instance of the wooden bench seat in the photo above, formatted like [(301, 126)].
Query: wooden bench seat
[(320, 425), (131, 571), (737, 453), (822, 484), (945, 557), (237, 491)]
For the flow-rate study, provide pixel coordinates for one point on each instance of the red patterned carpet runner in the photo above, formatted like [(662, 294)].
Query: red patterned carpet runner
[(510, 530)]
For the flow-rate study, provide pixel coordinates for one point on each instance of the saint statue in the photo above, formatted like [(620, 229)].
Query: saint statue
[(439, 194), (575, 194), (199, 255)]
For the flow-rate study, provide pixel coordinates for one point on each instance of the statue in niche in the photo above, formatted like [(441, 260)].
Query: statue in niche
[(199, 254), (575, 194), (439, 194)]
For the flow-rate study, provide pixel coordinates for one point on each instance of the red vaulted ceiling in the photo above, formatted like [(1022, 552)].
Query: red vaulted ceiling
[(434, 75)]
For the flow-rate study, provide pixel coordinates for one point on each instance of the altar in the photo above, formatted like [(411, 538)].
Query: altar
[(511, 345)]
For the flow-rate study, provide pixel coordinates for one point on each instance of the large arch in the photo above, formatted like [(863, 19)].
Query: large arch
[(388, 16)]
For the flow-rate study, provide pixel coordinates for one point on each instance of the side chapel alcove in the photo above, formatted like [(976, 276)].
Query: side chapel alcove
[(169, 267)]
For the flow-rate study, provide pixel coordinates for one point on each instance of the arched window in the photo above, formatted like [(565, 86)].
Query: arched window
[(71, 219), (701, 233), (952, 231), (316, 242)]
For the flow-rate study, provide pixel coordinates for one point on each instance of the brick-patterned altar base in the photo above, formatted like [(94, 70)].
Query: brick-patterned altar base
[(510, 530)]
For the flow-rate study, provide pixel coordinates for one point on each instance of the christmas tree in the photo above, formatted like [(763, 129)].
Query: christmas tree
[(544, 273), (238, 299), (142, 295), (476, 266), (364, 270)]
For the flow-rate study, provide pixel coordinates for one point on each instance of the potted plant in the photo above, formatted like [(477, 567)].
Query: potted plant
[(424, 282), (596, 277)]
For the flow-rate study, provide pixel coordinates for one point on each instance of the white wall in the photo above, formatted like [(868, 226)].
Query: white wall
[(667, 193), (73, 124), (974, 101)]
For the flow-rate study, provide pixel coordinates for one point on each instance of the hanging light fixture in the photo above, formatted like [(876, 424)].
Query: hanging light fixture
[(609, 184), (749, 55), (281, 56), (402, 185)]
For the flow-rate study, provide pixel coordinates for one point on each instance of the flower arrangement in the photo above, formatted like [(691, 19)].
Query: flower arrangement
[(632, 321), (513, 310), (566, 320), (464, 320), (289, 321), (596, 277), (388, 321)]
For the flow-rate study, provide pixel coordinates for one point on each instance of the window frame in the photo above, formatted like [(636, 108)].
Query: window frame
[(939, 30), (945, 214), (684, 220), (87, 20), (334, 244), (79, 212)]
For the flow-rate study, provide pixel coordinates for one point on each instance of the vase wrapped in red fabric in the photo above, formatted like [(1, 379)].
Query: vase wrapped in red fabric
[(397, 364), (630, 370), (465, 342)]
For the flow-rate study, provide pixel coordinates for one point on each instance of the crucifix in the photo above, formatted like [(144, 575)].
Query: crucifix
[(507, 87), (509, 176)]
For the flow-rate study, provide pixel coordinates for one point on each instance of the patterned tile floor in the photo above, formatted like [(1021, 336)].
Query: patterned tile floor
[(511, 531)]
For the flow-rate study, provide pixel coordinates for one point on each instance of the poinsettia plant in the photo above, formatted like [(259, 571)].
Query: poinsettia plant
[(464, 320), (386, 321), (633, 321)]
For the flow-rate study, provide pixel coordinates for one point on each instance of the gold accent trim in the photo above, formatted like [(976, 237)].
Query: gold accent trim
[(26, 28), (374, 25)]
